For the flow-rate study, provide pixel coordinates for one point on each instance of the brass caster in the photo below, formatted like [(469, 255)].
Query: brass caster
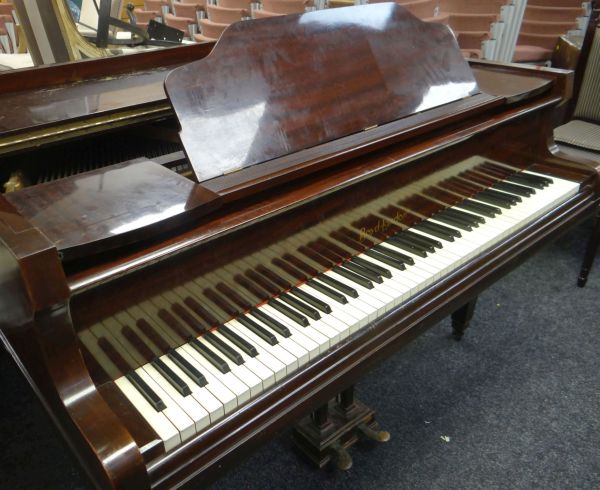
[(374, 435), (341, 456)]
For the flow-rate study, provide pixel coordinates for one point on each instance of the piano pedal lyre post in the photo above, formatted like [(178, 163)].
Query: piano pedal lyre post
[(461, 319), (327, 433)]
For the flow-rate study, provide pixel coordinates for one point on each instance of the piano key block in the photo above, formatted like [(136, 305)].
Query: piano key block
[(184, 363)]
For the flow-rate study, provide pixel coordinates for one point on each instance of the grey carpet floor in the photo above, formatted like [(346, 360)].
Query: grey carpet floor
[(516, 404)]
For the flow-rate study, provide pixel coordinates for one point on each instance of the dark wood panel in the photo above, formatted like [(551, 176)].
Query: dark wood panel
[(112, 206), (249, 102)]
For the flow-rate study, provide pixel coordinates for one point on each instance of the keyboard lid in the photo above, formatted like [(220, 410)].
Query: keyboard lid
[(274, 87)]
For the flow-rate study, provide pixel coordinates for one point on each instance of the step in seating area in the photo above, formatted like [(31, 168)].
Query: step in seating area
[(544, 21)]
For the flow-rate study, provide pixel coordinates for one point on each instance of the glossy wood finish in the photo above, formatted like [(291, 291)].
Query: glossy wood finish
[(36, 329), (289, 100), (103, 209), (53, 102), (47, 302)]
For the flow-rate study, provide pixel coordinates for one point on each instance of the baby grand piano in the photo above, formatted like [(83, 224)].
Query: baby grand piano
[(354, 181)]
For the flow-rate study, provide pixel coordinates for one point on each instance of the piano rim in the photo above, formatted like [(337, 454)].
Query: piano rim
[(205, 455)]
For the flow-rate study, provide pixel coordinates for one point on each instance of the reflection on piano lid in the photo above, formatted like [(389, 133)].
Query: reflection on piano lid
[(167, 351)]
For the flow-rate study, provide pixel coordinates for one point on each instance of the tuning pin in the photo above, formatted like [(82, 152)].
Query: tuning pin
[(342, 457), (374, 435)]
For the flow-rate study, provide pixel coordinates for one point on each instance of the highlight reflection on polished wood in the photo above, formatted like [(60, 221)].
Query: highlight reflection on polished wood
[(107, 208), (247, 103), (49, 304)]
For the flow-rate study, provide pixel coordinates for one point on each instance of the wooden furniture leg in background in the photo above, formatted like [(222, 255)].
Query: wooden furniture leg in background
[(461, 318), (590, 252)]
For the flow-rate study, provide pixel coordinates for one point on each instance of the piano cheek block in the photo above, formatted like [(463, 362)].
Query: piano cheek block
[(113, 206)]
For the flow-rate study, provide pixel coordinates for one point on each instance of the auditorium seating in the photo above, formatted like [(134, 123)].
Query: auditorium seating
[(543, 23), (143, 17), (209, 31), (186, 10), (181, 23), (224, 15), (283, 7)]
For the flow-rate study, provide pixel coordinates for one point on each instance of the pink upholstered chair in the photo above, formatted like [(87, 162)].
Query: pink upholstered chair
[(222, 15), (265, 14), (419, 8), (155, 5), (186, 9), (235, 4), (210, 31), (180, 23), (284, 6), (143, 17)]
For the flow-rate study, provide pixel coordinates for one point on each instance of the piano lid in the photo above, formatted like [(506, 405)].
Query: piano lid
[(272, 87)]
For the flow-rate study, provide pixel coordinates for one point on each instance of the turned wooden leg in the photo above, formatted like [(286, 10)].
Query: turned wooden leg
[(590, 252), (461, 318)]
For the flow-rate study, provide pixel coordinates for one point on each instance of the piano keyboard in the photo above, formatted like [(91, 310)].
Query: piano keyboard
[(193, 354)]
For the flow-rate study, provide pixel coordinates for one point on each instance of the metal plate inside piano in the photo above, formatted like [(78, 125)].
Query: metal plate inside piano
[(219, 329)]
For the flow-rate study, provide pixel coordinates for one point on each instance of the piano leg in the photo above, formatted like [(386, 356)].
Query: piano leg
[(327, 433), (590, 252), (461, 318)]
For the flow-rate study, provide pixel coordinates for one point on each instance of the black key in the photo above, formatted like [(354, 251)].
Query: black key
[(225, 349), (394, 254), (530, 180), (409, 247), (274, 278), (188, 318), (262, 332), (137, 343), (469, 217), (502, 203), (363, 271), (477, 207), (246, 347), (334, 283), (449, 220), (332, 293), (415, 242), (308, 310), (311, 300), (440, 231), (386, 259), (271, 323), (423, 239), (183, 364), (202, 312), (153, 335), (151, 397), (233, 296), (210, 356), (503, 195), (382, 271), (360, 280), (290, 313), (175, 381), (519, 190)]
